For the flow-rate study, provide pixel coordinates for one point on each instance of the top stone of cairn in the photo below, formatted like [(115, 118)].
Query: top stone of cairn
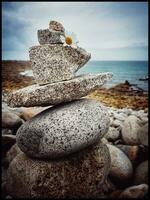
[(58, 57), (53, 35)]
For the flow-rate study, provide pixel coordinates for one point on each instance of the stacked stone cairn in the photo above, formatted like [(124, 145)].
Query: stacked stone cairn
[(61, 151)]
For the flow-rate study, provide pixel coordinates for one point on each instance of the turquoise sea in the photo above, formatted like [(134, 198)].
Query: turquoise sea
[(122, 70)]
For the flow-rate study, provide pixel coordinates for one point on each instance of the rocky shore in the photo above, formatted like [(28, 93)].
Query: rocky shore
[(64, 136)]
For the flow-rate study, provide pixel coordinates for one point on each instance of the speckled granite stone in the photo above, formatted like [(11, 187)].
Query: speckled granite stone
[(56, 26), (54, 62), (52, 94), (80, 175), (63, 129), (49, 37)]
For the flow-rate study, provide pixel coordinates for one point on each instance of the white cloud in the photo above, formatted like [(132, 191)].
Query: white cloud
[(94, 23)]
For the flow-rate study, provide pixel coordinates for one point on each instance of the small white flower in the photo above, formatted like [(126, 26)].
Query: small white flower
[(70, 39)]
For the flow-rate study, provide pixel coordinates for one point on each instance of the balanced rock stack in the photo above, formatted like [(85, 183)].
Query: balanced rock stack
[(61, 150)]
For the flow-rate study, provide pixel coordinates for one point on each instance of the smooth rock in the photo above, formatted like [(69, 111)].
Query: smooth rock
[(131, 151), (120, 116), (12, 153), (117, 123), (63, 129), (121, 167), (143, 135), (130, 129), (133, 192), (11, 120), (50, 37), (112, 134), (54, 62), (56, 26), (77, 176), (141, 173), (56, 93)]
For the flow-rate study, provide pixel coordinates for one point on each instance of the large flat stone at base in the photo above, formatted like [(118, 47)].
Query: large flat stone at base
[(52, 94), (80, 175)]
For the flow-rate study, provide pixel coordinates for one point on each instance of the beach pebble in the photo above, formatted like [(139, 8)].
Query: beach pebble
[(121, 167), (63, 129), (130, 129), (112, 134), (11, 120), (12, 153), (57, 93), (79, 175), (131, 151), (120, 116), (143, 135), (117, 123), (137, 191), (53, 63), (6, 131), (141, 173)]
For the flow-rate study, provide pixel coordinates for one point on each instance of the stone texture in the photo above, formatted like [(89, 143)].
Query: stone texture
[(56, 93), (12, 153), (63, 129), (143, 135), (50, 37), (141, 173), (112, 134), (11, 120), (130, 129), (133, 192), (56, 26), (54, 62), (121, 167), (80, 175)]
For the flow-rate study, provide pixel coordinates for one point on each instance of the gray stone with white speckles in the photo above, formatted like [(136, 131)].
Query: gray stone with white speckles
[(54, 62), (47, 36), (63, 129), (80, 175), (52, 94)]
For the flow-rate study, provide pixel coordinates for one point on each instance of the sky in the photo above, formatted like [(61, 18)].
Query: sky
[(108, 30)]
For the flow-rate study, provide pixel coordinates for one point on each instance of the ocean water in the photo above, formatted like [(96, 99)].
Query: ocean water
[(122, 70)]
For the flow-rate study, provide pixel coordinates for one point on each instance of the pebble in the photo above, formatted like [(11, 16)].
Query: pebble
[(141, 173), (137, 191), (112, 134), (130, 129), (143, 135), (121, 167), (11, 120)]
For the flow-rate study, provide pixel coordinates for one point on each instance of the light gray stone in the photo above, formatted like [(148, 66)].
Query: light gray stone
[(143, 135), (130, 130), (121, 166), (11, 120), (80, 175), (54, 62), (50, 37), (56, 26), (113, 134), (137, 191), (56, 93), (63, 129), (141, 173)]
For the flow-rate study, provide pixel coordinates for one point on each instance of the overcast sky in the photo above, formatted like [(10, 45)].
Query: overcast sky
[(108, 30)]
